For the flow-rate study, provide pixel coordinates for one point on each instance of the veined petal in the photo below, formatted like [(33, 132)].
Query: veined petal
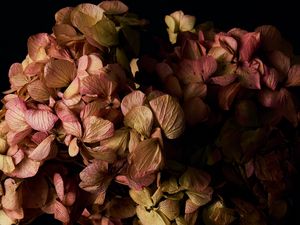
[(14, 137), (38, 91), (86, 15), (96, 129), (26, 168), (59, 186), (271, 78), (249, 43), (140, 118), (70, 122), (62, 16), (15, 115), (227, 95), (135, 98), (59, 73), (190, 71), (43, 150), (208, 66), (169, 115), (113, 7), (41, 120), (36, 46)]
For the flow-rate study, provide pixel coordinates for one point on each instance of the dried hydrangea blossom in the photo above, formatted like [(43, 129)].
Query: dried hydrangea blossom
[(89, 136)]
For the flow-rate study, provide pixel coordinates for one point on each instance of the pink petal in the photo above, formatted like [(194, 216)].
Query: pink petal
[(224, 80), (12, 199), (14, 137), (271, 78), (227, 95), (40, 120), (96, 129), (135, 98), (228, 42), (97, 85), (59, 73), (70, 122), (38, 137), (190, 71), (269, 98), (36, 46), (44, 149), (34, 68), (93, 108), (59, 186), (249, 77), (61, 213), (293, 76), (208, 66), (17, 78), (194, 90), (26, 168), (15, 115), (249, 43)]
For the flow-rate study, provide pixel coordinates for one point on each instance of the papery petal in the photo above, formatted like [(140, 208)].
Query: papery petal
[(93, 108), (140, 118), (96, 129), (142, 197), (34, 68), (70, 122), (73, 89), (86, 15), (151, 217), (227, 95), (15, 114), (3, 145), (293, 76), (35, 192), (113, 7), (195, 110), (12, 199), (187, 23), (190, 71), (14, 137), (73, 149), (147, 158), (95, 177), (217, 213), (62, 16), (227, 42), (95, 64), (271, 78), (224, 80), (169, 115), (248, 45), (59, 73), (280, 61), (36, 46), (26, 168), (195, 180), (41, 120), (59, 186), (44, 149), (61, 213), (65, 33), (249, 77), (208, 65), (170, 208), (6, 164), (102, 153), (135, 98), (38, 91), (270, 37), (97, 84), (192, 90), (118, 142), (134, 140), (104, 32)]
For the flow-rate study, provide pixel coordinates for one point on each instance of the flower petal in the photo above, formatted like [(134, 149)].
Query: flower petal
[(227, 95), (12, 199), (208, 66), (195, 110), (140, 118), (44, 149), (151, 217), (73, 149), (41, 120), (135, 98), (269, 98), (59, 186), (271, 78), (6, 164), (26, 168), (169, 115), (38, 91), (15, 115), (59, 73), (293, 76), (113, 7), (270, 37), (61, 213), (96, 129), (70, 122), (192, 90), (86, 15), (249, 77), (249, 43), (280, 61), (36, 46), (5, 219)]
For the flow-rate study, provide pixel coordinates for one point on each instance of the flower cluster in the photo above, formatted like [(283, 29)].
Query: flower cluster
[(85, 135)]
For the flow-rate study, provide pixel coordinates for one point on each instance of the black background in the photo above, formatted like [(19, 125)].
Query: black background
[(20, 19)]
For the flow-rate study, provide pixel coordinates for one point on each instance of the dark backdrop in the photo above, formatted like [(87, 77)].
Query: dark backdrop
[(20, 19)]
